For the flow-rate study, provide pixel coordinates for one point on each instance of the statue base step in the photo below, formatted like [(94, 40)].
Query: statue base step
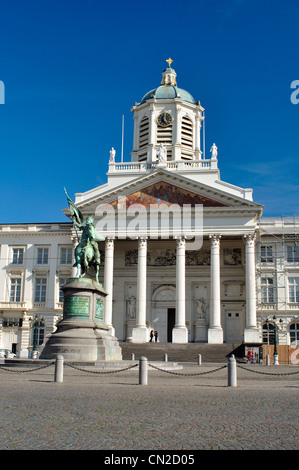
[(82, 335), (82, 344)]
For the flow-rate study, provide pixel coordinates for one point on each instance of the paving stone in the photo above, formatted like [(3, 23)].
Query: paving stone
[(174, 411)]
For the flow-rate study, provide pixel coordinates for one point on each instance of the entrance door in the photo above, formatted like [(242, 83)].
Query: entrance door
[(233, 327), (170, 323)]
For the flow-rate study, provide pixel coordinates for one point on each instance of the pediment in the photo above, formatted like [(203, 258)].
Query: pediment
[(166, 193), (163, 187)]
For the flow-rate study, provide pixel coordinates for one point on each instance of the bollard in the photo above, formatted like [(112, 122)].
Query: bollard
[(232, 372), (199, 359), (165, 357), (267, 360), (133, 357), (58, 374), (143, 371)]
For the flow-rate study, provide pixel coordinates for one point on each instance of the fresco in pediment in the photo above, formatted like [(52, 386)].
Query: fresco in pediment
[(164, 193)]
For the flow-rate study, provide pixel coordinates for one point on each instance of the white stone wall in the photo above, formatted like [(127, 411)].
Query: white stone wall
[(18, 315)]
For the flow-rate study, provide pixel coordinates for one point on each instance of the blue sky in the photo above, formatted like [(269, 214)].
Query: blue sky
[(72, 68)]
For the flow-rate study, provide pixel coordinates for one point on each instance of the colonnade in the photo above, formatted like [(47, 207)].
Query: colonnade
[(180, 332)]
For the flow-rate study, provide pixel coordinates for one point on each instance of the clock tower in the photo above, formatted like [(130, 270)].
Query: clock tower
[(170, 116)]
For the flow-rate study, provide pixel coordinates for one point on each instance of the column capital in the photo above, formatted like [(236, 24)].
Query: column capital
[(249, 238), (215, 238), (180, 242), (109, 242), (142, 242)]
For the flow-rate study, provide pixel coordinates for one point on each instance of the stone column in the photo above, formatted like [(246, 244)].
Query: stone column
[(108, 283), (215, 331), (180, 332), (151, 157), (251, 334), (197, 136), (140, 332)]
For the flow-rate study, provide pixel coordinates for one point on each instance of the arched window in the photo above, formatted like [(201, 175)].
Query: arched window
[(268, 333), (294, 334)]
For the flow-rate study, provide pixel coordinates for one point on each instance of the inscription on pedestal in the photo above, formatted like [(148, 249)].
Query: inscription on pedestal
[(75, 306)]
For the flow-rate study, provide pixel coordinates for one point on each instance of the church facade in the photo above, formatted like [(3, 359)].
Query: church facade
[(185, 253)]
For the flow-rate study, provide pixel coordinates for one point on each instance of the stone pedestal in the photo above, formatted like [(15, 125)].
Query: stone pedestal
[(82, 335), (200, 331)]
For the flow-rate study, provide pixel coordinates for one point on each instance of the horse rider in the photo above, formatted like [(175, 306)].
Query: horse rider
[(89, 235)]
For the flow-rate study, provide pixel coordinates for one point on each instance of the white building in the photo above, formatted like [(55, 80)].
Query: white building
[(242, 271)]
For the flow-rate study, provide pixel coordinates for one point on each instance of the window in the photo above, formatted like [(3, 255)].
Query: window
[(66, 255), (294, 334), (267, 290), (40, 290), (143, 132), (38, 328), (187, 132), (17, 255), (42, 255), (15, 289), (12, 322), (293, 254), (268, 333), (293, 289), (266, 254), (62, 281)]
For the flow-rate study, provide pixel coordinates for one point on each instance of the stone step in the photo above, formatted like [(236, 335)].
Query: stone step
[(179, 352)]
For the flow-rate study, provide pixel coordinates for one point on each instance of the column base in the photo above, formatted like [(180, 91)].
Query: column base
[(251, 335), (111, 330), (215, 335), (140, 335), (24, 353), (180, 335)]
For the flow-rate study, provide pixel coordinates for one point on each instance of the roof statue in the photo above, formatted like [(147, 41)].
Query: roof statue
[(214, 151), (112, 155)]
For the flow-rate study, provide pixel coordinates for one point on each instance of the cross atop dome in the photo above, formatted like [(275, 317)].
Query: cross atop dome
[(169, 75), (169, 61)]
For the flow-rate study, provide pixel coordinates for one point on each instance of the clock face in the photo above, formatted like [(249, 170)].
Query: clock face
[(164, 119)]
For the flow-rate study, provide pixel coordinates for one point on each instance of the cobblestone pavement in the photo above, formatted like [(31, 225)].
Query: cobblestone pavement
[(112, 411)]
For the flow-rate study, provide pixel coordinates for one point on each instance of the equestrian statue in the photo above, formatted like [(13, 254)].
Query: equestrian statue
[(87, 251)]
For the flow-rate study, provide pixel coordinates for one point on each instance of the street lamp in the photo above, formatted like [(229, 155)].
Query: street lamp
[(275, 355)]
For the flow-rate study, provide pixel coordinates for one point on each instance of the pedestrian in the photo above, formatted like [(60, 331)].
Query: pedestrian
[(151, 336), (249, 354), (156, 335)]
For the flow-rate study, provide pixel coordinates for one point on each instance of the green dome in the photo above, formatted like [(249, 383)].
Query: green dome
[(168, 92), (168, 88)]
